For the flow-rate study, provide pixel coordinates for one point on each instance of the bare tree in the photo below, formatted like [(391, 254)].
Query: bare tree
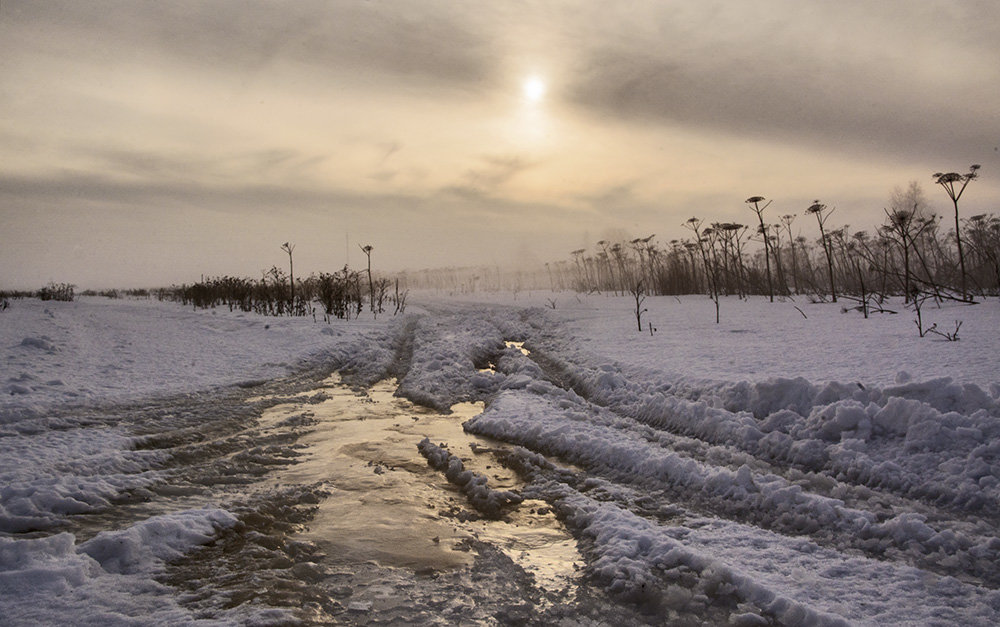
[(619, 254), (367, 250), (774, 234), (645, 251), (755, 201), (906, 224), (605, 256), (819, 210), (379, 296), (948, 181), (288, 248), (583, 276), (639, 293), (984, 237), (731, 238), (694, 224), (400, 299), (786, 221), (711, 236)]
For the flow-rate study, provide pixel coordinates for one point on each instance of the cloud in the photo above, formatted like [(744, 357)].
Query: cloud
[(389, 148), (825, 112), (153, 233), (240, 198), (613, 197), (493, 173), (163, 169), (896, 85), (427, 39)]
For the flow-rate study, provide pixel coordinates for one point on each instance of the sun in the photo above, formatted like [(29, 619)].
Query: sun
[(533, 89)]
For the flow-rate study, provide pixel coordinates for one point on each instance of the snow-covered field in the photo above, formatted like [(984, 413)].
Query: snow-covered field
[(796, 464)]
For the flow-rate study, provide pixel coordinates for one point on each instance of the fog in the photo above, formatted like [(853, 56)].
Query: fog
[(146, 144)]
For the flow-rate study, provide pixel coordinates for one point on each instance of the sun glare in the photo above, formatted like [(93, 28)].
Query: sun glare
[(534, 89)]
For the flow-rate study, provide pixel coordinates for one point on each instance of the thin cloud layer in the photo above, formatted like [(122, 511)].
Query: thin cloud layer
[(406, 125), (248, 38), (880, 80)]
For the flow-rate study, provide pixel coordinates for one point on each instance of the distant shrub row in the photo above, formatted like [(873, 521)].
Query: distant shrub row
[(67, 293), (342, 294), (135, 293), (52, 291)]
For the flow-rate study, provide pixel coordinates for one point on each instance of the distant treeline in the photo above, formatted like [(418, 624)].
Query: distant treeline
[(343, 294), (52, 291), (909, 255), (913, 254), (67, 292)]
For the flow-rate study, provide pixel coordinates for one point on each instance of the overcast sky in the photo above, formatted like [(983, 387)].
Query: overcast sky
[(144, 143)]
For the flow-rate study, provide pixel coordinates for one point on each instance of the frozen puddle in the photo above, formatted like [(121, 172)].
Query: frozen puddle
[(386, 504), (491, 367), (519, 346)]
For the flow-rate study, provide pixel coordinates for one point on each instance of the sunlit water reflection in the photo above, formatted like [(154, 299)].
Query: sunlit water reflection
[(519, 346), (387, 505), (491, 367)]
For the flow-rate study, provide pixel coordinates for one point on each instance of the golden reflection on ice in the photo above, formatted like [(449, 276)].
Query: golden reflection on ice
[(386, 504), (519, 346)]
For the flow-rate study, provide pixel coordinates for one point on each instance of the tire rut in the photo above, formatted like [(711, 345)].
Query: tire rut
[(882, 503)]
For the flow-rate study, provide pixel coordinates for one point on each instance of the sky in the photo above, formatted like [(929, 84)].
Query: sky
[(147, 143)]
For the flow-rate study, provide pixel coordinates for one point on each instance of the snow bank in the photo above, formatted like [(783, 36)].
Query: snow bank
[(709, 565), (758, 340), (56, 473), (447, 353), (147, 545), (106, 580), (633, 559), (708, 451), (929, 439), (487, 501), (100, 350), (557, 424)]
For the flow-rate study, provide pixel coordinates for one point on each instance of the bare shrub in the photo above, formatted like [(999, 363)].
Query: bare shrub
[(57, 291), (639, 294)]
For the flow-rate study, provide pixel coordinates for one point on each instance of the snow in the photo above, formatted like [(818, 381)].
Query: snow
[(757, 340), (106, 580), (97, 349), (488, 501), (64, 472), (798, 467)]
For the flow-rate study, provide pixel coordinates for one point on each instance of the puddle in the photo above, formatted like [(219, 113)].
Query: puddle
[(491, 367), (388, 505), (519, 346)]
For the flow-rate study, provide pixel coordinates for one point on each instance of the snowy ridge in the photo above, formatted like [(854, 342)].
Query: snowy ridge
[(193, 450), (935, 441), (96, 350), (908, 438), (893, 442), (932, 427), (626, 454), (447, 349), (487, 501), (108, 579), (71, 471), (634, 558)]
